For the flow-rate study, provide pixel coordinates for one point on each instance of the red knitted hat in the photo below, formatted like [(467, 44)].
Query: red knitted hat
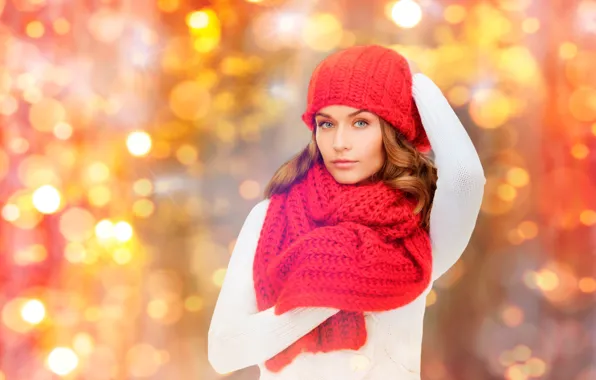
[(369, 77)]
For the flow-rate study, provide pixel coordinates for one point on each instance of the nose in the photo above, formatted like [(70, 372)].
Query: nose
[(341, 140)]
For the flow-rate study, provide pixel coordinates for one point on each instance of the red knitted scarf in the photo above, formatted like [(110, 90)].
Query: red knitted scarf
[(352, 247)]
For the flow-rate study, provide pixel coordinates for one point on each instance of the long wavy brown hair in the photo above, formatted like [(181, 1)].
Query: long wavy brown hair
[(405, 168)]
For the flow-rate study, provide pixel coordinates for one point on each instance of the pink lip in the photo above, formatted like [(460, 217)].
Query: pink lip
[(344, 164)]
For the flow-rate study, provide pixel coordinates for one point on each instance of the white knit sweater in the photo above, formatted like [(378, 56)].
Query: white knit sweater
[(240, 336)]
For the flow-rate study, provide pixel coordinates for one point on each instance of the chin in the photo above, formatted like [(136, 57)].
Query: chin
[(347, 178)]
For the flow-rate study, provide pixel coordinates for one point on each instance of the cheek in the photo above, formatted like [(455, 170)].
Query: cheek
[(373, 145)]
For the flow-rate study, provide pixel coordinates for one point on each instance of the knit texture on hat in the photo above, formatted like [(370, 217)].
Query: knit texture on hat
[(369, 77), (356, 248)]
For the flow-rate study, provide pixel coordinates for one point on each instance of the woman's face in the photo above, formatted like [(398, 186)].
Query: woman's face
[(349, 134)]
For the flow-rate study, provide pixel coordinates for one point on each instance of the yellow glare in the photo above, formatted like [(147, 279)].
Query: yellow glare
[(139, 143), (33, 312), (46, 199), (62, 361), (406, 13)]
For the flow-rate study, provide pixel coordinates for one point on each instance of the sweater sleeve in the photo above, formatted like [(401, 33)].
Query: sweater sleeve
[(239, 335), (461, 180)]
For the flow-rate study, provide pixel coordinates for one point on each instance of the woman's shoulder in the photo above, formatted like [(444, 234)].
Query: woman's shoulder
[(258, 212), (260, 207)]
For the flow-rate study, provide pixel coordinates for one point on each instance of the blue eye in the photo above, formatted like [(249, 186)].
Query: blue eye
[(362, 123), (323, 123)]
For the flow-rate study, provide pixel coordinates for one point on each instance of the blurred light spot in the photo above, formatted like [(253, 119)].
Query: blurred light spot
[(122, 256), (506, 358), (75, 253), (35, 29), (507, 192), (274, 30), (83, 344), (143, 360), (46, 199), (490, 108), (515, 237), (45, 114), (11, 315), (187, 154), (587, 285), (33, 311), (234, 66), (522, 353), (29, 216), (580, 151), (454, 13), (458, 95), (98, 172), (168, 6), (588, 217), (536, 367), (8, 105), (193, 303), (515, 372), (138, 143), (143, 187), (10, 212), (4, 164), (531, 25), (32, 95), (189, 100), (62, 361), (567, 50), (123, 231), (157, 309), (226, 131), (528, 229), (33, 254), (431, 298), (514, 5), (512, 316), (406, 13), (63, 130), (162, 149), (18, 145), (249, 189), (106, 24), (99, 195), (582, 104), (61, 26), (322, 32), (104, 229), (164, 356), (530, 279), (219, 276), (518, 177), (547, 280), (206, 29), (92, 314), (36, 171), (197, 20), (143, 208)]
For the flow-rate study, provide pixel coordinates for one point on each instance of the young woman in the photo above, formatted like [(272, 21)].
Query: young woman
[(330, 272)]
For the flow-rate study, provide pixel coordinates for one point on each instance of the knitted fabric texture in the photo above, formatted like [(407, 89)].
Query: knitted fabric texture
[(356, 248), (370, 77)]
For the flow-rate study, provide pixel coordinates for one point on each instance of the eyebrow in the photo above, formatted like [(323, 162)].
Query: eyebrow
[(350, 115)]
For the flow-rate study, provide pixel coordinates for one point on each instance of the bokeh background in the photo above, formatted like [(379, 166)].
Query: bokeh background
[(135, 137)]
